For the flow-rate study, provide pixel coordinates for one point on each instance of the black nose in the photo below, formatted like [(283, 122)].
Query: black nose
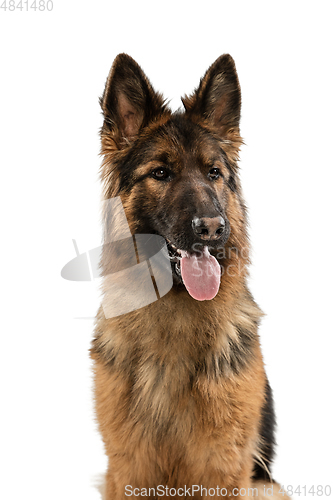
[(208, 228)]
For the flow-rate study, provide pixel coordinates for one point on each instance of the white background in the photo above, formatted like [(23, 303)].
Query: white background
[(53, 69)]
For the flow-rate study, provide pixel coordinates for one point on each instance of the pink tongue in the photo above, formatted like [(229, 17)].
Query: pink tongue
[(201, 274)]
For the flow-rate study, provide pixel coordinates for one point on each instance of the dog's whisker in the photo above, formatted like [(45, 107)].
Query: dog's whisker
[(181, 390)]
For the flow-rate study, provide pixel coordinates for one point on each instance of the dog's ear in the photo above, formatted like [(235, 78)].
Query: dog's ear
[(129, 101), (218, 97)]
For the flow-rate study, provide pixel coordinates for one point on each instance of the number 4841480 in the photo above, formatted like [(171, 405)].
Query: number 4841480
[(317, 491), (40, 5)]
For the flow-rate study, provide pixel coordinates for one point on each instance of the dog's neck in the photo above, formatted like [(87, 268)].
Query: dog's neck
[(223, 338)]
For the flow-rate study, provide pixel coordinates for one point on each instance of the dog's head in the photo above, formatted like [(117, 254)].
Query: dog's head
[(176, 173)]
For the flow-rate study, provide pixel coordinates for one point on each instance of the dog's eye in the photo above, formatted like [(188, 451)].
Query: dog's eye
[(214, 173), (161, 174)]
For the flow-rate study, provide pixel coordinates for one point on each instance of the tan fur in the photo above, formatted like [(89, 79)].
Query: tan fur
[(206, 418), (179, 384)]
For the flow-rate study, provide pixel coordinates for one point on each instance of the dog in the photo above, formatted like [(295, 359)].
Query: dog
[(183, 403)]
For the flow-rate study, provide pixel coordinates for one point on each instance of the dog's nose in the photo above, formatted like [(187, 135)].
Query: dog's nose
[(208, 228)]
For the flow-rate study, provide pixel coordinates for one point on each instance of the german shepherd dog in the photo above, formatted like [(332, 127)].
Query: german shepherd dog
[(182, 399)]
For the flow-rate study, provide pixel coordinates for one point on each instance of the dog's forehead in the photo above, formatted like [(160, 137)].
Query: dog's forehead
[(178, 143), (179, 138)]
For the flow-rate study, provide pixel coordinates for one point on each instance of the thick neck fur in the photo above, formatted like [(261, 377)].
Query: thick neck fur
[(168, 328), (211, 337)]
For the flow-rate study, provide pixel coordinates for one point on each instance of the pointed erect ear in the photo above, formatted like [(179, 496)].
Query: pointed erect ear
[(129, 101), (218, 97)]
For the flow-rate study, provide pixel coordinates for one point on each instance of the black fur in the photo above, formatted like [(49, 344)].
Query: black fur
[(267, 430)]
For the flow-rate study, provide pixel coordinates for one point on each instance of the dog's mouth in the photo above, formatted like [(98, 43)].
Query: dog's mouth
[(198, 270), (174, 255)]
